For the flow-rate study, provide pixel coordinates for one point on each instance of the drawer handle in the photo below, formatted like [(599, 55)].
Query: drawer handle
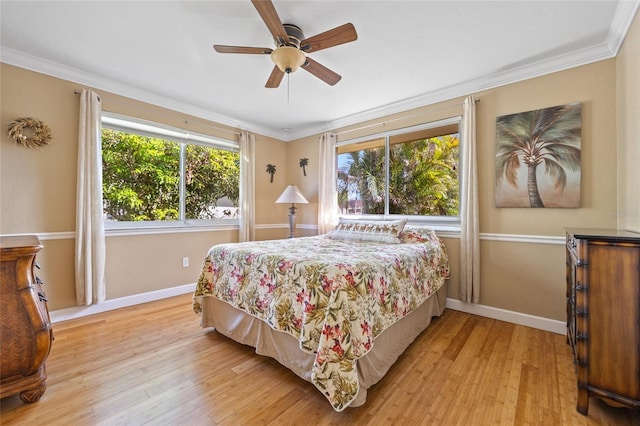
[(580, 287), (582, 337), (42, 297), (582, 313)]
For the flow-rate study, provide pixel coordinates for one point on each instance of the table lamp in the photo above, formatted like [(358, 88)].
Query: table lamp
[(292, 195)]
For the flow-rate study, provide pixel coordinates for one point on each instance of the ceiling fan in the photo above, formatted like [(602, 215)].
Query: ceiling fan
[(292, 48)]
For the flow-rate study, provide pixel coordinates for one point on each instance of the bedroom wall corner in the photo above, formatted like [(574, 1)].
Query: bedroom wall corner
[(271, 218), (628, 127), (527, 276), (307, 214)]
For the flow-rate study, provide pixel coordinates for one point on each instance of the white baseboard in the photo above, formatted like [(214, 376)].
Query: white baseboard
[(546, 324), (554, 326), (122, 302)]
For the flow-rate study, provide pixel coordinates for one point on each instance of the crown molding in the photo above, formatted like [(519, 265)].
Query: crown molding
[(537, 69), (491, 81), (498, 79), (54, 69), (620, 24), (618, 29)]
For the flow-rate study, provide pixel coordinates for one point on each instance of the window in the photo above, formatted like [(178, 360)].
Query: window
[(155, 175), (408, 172)]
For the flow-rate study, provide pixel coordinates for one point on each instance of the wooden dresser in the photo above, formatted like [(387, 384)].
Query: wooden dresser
[(25, 327), (603, 314)]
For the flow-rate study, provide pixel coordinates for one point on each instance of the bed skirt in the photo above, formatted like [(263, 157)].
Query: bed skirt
[(284, 348)]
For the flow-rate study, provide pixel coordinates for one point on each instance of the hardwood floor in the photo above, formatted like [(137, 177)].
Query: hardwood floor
[(153, 364)]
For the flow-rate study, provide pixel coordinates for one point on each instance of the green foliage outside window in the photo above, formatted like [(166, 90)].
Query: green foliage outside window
[(423, 178), (211, 175), (141, 179), (361, 185)]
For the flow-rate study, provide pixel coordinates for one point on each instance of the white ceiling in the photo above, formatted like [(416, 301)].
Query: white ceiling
[(408, 53)]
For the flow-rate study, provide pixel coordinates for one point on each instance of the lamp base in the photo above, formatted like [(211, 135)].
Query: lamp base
[(292, 220)]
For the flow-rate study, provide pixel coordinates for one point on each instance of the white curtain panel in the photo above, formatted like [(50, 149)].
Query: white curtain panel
[(90, 241), (469, 235), (247, 186), (327, 196)]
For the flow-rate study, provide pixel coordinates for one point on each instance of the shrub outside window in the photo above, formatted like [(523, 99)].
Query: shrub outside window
[(408, 172), (155, 175)]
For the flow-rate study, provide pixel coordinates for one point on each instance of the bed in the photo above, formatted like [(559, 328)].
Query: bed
[(336, 309)]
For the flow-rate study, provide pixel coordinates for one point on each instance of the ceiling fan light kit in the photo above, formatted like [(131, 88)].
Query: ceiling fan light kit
[(292, 47), (288, 59)]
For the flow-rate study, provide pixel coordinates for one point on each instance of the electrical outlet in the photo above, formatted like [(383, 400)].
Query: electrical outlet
[(185, 262)]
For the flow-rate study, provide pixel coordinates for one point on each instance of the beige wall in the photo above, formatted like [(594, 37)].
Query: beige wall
[(592, 85), (628, 90), (528, 275), (37, 186), (37, 192), (306, 214), (268, 214)]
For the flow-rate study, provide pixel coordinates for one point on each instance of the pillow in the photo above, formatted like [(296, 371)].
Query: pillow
[(418, 235), (387, 231)]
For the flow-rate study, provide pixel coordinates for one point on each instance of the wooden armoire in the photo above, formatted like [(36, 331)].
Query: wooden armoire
[(25, 327)]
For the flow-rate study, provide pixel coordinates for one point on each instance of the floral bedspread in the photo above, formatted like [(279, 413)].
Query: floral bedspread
[(334, 296)]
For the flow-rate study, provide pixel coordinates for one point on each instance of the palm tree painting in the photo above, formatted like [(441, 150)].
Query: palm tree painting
[(538, 158)]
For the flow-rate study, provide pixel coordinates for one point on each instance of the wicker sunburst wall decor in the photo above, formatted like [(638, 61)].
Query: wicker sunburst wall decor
[(29, 132)]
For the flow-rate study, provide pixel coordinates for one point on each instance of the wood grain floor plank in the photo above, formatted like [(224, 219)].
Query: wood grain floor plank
[(153, 365)]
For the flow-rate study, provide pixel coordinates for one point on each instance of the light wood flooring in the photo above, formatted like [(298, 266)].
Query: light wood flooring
[(152, 364)]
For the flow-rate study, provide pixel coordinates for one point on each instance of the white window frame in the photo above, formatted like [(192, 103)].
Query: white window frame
[(137, 126), (441, 223)]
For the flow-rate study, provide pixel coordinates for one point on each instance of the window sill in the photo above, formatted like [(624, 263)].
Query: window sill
[(167, 229)]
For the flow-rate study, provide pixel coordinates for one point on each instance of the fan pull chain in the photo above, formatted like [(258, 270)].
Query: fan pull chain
[(288, 74)]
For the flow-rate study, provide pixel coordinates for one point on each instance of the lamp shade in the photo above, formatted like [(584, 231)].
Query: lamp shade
[(292, 194)]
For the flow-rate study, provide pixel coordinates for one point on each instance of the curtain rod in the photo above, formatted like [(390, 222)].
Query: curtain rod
[(78, 92), (383, 123)]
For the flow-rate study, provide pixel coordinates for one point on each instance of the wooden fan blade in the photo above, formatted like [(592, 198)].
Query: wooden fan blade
[(270, 17), (242, 49), (275, 78), (339, 35), (322, 72)]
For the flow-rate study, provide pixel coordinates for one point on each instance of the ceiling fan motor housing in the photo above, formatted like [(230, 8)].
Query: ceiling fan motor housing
[(295, 36)]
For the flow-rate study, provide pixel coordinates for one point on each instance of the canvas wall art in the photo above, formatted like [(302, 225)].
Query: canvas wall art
[(538, 158)]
